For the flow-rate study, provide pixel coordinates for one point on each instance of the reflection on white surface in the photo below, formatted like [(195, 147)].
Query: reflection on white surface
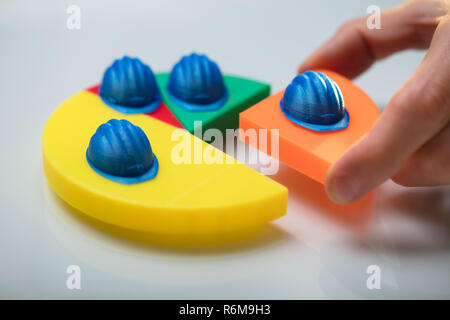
[(309, 253), (158, 261)]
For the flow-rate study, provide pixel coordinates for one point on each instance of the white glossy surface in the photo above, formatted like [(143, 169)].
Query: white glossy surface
[(310, 253)]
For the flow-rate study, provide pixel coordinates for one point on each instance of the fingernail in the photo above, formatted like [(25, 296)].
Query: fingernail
[(344, 189)]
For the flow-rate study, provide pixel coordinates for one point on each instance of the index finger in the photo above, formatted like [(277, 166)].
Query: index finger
[(355, 47)]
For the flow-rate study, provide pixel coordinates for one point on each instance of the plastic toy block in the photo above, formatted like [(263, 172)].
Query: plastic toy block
[(242, 93), (181, 198), (195, 90), (164, 114), (308, 151), (161, 113)]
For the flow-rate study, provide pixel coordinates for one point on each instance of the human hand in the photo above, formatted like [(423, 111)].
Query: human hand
[(410, 142)]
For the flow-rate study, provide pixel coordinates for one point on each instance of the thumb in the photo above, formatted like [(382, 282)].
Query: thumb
[(418, 111)]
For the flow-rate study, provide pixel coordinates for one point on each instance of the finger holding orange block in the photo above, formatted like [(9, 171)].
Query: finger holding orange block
[(319, 116)]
